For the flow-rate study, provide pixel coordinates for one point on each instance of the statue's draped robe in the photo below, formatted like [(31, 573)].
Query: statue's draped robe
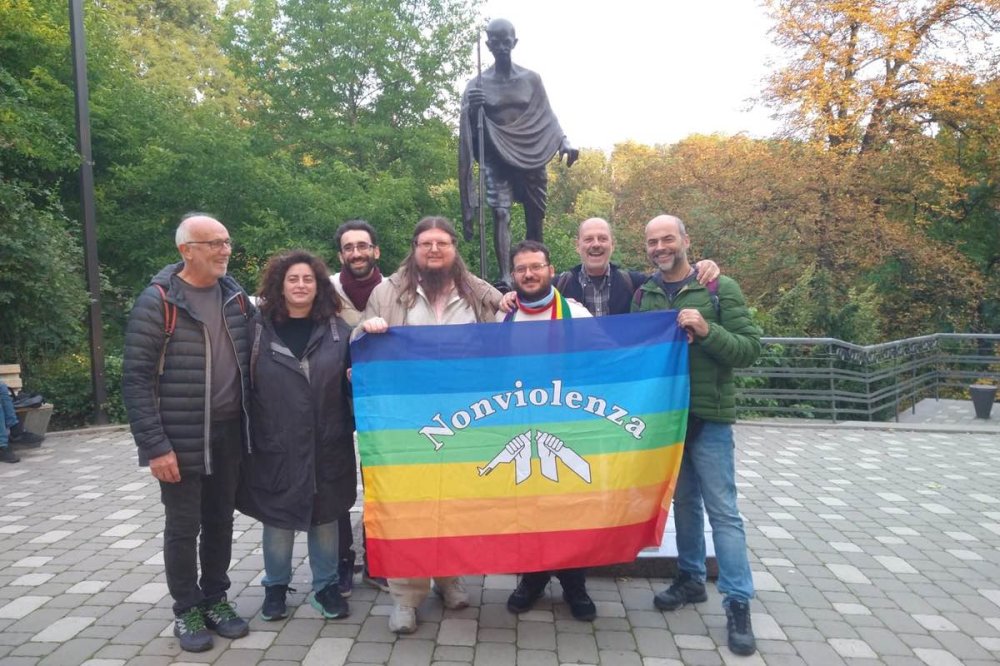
[(526, 143)]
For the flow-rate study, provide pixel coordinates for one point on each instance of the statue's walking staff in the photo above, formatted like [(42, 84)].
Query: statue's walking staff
[(480, 121)]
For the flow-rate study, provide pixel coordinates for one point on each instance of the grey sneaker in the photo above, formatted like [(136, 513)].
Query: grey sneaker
[(221, 618), (403, 620), (684, 590), (190, 629)]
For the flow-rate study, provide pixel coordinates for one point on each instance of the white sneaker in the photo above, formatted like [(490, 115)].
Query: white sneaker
[(453, 594), (403, 619)]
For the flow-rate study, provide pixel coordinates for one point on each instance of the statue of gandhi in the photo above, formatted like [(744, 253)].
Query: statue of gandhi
[(521, 135)]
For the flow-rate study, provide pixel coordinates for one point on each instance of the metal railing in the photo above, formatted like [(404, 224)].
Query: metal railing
[(825, 378)]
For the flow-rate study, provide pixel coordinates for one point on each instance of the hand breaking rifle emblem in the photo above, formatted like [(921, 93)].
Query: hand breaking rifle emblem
[(550, 448)]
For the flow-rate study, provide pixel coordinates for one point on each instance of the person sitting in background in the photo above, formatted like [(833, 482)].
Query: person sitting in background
[(9, 421)]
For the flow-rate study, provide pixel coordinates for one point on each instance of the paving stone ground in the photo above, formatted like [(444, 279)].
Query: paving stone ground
[(869, 545)]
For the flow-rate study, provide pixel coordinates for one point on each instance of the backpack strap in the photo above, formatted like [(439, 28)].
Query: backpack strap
[(627, 276), (255, 352), (713, 294), (563, 280), (169, 324)]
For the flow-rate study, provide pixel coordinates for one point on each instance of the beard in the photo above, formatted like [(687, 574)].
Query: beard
[(539, 290), (435, 281), (363, 270)]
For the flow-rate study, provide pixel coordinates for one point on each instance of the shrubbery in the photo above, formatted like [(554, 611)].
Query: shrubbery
[(64, 381)]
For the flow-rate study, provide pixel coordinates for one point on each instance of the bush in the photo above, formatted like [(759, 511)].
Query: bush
[(64, 381)]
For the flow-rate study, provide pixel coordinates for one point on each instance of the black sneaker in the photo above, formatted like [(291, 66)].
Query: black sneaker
[(345, 576), (221, 618), (26, 440), (741, 639), (274, 607), (580, 604), (527, 592), (375, 581), (684, 590), (8, 456), (329, 602), (190, 629)]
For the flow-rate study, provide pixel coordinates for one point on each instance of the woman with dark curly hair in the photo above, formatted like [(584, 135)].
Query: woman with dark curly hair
[(301, 474)]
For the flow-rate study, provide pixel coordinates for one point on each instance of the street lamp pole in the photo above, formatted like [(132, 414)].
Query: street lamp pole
[(82, 94)]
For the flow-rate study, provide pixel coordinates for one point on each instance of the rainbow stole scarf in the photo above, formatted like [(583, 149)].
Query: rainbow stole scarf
[(559, 306), (497, 449)]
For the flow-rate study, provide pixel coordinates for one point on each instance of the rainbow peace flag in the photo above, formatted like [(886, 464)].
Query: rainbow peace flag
[(528, 446)]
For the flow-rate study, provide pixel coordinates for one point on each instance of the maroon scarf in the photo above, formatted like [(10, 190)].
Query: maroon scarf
[(359, 290)]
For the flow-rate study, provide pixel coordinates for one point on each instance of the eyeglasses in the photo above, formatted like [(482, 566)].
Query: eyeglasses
[(360, 247), (426, 246), (534, 268), (216, 245)]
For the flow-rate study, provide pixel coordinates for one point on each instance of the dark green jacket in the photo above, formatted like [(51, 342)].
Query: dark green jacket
[(732, 343)]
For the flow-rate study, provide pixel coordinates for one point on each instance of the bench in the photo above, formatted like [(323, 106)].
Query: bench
[(35, 419)]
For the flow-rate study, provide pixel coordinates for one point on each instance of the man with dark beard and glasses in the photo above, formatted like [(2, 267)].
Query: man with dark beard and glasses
[(358, 251), (431, 287)]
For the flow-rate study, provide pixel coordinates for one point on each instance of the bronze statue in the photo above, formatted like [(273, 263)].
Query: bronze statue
[(521, 135)]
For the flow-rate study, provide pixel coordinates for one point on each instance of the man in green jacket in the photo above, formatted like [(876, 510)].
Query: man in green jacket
[(721, 337)]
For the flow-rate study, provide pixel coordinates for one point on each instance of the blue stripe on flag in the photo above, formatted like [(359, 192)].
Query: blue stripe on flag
[(527, 338), (584, 368)]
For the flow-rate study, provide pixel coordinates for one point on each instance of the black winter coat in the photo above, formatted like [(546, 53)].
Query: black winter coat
[(302, 469), (172, 411)]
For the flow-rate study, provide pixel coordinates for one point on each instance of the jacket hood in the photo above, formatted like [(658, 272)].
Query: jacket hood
[(163, 278)]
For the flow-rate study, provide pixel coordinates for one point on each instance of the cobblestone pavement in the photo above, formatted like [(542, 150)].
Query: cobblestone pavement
[(868, 545)]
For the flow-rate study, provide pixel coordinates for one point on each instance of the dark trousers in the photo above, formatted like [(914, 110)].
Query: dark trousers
[(568, 578), (202, 504)]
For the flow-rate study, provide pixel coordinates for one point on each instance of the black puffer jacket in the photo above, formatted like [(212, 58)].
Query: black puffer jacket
[(171, 411), (302, 471)]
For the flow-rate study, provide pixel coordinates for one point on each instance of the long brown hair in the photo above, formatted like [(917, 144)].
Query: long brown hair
[(271, 300), (411, 272)]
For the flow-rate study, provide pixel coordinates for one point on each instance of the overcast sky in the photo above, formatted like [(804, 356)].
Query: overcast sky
[(653, 71)]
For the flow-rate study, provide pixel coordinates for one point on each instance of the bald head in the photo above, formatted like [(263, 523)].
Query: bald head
[(499, 25), (193, 225), (205, 246), (666, 247), (594, 244)]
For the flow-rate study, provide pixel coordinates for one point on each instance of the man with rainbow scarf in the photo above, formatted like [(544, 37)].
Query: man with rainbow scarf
[(538, 299)]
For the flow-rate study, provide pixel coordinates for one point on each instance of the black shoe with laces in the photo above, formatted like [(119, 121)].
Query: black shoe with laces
[(221, 618), (26, 440), (329, 602), (527, 592), (8, 456), (274, 607), (684, 590), (580, 604), (739, 628), (190, 629)]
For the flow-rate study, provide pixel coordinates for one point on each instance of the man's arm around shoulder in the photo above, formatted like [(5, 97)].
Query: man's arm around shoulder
[(736, 341)]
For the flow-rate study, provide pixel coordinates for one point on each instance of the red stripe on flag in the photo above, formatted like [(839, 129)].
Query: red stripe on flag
[(508, 553)]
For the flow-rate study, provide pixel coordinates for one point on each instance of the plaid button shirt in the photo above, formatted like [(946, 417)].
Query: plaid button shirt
[(596, 298)]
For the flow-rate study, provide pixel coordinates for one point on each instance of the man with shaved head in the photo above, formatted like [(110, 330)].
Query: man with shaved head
[(722, 337), (185, 381)]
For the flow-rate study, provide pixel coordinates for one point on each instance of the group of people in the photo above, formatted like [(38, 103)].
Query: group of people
[(237, 405)]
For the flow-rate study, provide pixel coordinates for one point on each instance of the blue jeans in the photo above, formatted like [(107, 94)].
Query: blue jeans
[(323, 555), (707, 476), (7, 414)]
